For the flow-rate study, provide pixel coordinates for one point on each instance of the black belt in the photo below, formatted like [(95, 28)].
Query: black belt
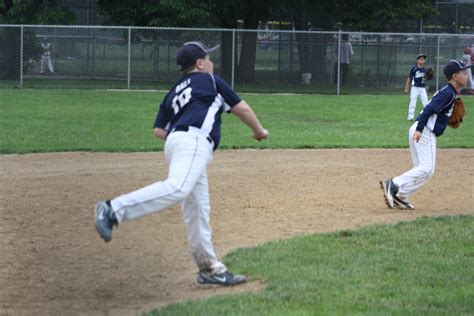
[(182, 128)]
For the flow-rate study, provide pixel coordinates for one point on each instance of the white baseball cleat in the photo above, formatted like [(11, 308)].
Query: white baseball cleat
[(225, 279), (104, 220), (399, 203), (389, 190)]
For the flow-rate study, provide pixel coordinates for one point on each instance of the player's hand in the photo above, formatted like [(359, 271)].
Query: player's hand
[(261, 134), (417, 136)]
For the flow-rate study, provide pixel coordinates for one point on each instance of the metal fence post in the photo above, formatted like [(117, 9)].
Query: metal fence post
[(437, 64), (233, 60), (338, 61), (291, 51), (279, 53), (93, 53), (129, 56), (21, 57)]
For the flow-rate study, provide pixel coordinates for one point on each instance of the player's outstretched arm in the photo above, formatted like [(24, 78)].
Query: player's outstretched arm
[(245, 113)]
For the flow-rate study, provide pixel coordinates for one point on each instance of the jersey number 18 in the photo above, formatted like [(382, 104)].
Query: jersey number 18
[(179, 101)]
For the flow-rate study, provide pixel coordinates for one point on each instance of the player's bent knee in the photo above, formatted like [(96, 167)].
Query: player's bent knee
[(427, 171), (179, 189)]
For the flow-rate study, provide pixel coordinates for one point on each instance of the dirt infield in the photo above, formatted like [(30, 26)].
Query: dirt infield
[(53, 262)]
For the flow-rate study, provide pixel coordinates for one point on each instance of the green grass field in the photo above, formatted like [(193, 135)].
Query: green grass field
[(419, 268), (97, 120)]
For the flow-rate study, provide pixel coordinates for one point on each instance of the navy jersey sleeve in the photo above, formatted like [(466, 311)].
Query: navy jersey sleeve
[(411, 75), (230, 97), (162, 119), (436, 105)]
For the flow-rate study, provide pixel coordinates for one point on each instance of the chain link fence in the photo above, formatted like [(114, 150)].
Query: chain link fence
[(249, 60)]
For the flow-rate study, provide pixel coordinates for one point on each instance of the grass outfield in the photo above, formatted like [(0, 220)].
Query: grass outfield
[(95, 120), (417, 268)]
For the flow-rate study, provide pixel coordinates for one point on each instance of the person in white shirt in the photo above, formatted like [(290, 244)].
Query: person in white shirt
[(46, 57), (466, 57), (344, 58)]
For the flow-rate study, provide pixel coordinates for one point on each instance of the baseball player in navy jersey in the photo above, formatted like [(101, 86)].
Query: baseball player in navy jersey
[(429, 125), (189, 119), (415, 85)]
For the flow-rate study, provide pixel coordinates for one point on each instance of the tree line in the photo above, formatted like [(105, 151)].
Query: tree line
[(326, 15)]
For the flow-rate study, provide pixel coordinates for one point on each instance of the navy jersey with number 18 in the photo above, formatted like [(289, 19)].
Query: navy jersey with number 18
[(197, 99)]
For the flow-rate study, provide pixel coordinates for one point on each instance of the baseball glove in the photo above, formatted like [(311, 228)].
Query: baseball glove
[(429, 74), (458, 113)]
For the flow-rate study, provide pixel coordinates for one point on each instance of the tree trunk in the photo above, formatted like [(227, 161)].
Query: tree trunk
[(312, 55), (226, 55), (303, 51), (302, 43), (10, 54), (248, 51), (317, 65), (312, 46), (229, 22)]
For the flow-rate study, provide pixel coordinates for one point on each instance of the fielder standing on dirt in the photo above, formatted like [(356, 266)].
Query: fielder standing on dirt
[(189, 120), (415, 85), (443, 110)]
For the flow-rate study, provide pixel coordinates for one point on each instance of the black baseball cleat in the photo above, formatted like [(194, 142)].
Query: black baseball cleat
[(105, 219), (399, 203), (225, 279), (389, 190)]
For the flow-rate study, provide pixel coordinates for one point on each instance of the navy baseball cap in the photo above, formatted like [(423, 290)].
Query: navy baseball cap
[(192, 51), (420, 55), (453, 66)]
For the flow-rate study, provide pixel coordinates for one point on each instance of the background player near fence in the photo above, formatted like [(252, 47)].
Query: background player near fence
[(415, 85), (189, 120), (430, 124), (467, 61), (346, 53), (46, 57)]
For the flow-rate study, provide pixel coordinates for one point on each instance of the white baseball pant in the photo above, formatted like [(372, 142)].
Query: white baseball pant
[(46, 60), (423, 155), (416, 92), (187, 154), (470, 82)]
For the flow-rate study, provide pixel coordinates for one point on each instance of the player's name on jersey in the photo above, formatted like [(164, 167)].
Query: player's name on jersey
[(419, 74), (183, 85)]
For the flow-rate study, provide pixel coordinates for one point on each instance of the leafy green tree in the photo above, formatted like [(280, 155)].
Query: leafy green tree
[(178, 13), (161, 13), (225, 15), (457, 17), (186, 13), (252, 12), (382, 15), (26, 12), (318, 16), (35, 12), (329, 15)]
